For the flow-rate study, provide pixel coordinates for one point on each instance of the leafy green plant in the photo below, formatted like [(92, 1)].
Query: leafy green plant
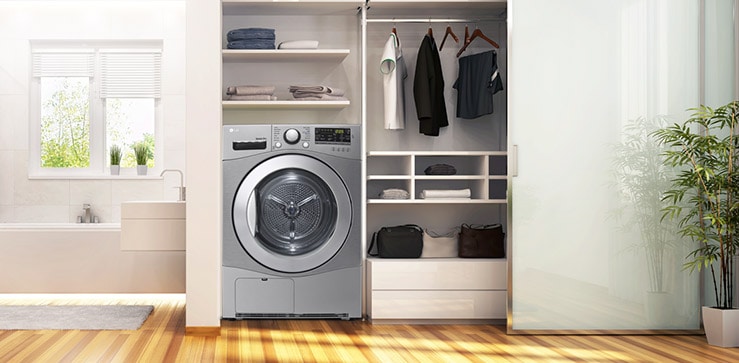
[(704, 195), (115, 155), (141, 151)]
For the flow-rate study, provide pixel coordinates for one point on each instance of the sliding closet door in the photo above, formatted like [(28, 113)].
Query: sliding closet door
[(589, 80)]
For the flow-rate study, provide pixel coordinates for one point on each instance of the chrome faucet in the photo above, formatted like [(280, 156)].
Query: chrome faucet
[(181, 188), (87, 218)]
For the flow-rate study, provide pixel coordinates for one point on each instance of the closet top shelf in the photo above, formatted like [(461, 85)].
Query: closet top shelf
[(437, 153), (287, 55)]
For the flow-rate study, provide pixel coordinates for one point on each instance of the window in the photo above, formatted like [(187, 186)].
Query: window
[(88, 98)]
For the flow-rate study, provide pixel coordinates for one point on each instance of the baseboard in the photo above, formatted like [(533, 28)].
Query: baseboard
[(203, 331)]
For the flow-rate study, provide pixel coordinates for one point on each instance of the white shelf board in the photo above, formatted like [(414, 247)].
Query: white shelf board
[(284, 55), (436, 201), (284, 105), (437, 153), (388, 177), (450, 177)]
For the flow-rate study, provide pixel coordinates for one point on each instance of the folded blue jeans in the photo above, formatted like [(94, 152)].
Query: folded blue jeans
[(252, 44), (250, 33)]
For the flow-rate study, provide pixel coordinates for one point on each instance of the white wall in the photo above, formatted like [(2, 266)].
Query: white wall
[(24, 200)]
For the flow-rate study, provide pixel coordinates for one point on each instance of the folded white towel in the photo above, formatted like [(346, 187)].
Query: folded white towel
[(252, 98), (298, 44), (250, 90), (446, 193)]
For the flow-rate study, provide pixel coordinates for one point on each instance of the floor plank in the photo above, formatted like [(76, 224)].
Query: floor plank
[(162, 339)]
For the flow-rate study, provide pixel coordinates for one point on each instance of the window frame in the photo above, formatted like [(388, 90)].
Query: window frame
[(99, 167)]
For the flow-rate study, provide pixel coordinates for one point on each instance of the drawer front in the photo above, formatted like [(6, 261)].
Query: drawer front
[(451, 274), (438, 305)]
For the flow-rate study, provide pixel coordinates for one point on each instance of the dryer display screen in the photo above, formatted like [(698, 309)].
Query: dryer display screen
[(326, 135)]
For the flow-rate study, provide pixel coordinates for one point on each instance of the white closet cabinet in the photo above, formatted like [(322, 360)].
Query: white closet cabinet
[(438, 289), (333, 24)]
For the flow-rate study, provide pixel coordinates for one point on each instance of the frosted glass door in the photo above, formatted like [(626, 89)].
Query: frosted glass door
[(588, 82)]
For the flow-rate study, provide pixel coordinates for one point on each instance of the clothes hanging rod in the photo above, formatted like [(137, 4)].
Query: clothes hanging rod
[(433, 20)]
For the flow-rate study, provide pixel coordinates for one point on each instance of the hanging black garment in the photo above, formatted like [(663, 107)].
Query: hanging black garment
[(428, 89), (478, 80)]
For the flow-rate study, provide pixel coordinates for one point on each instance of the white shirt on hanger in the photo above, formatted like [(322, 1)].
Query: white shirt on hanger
[(394, 74)]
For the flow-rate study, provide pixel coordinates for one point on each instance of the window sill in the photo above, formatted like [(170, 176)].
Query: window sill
[(95, 177)]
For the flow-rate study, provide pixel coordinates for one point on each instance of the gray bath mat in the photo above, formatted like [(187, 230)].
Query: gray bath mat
[(73, 317)]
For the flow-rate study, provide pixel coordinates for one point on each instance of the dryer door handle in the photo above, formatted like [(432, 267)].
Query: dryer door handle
[(251, 214)]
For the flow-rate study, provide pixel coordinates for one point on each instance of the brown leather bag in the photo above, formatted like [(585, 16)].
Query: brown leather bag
[(482, 241)]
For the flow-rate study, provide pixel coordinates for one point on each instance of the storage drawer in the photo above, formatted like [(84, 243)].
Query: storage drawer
[(445, 304), (438, 274)]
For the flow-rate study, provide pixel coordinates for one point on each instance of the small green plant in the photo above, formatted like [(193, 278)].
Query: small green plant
[(115, 155), (141, 150)]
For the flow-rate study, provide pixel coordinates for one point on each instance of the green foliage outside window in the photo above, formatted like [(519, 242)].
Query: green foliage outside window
[(65, 126)]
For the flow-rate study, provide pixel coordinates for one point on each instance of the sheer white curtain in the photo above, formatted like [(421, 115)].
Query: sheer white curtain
[(588, 249)]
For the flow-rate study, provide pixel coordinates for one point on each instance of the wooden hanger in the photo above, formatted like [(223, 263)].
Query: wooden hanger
[(430, 32), (397, 41), (448, 32), (477, 33)]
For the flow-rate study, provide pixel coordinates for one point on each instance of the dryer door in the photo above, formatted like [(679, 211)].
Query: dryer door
[(292, 213)]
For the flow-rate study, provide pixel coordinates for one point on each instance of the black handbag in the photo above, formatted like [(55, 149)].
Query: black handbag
[(487, 241), (404, 241)]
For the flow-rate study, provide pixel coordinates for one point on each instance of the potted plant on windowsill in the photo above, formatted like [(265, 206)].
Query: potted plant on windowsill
[(704, 198), (141, 152), (115, 160)]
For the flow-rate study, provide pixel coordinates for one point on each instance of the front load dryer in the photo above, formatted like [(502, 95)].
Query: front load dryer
[(291, 221)]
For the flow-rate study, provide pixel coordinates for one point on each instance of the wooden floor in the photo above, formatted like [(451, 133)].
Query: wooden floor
[(162, 339)]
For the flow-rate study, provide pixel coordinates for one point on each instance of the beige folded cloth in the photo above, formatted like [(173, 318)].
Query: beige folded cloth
[(298, 44), (252, 98), (446, 193), (394, 193), (249, 90), (319, 97)]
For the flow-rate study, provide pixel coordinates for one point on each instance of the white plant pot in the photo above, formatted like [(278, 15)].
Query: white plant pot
[(721, 326), (141, 169), (115, 170)]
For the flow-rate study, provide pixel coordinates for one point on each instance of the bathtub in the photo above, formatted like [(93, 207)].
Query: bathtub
[(82, 258)]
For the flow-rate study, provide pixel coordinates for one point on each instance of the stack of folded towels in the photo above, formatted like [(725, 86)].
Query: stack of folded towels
[(298, 44), (251, 93), (394, 193), (251, 38), (317, 93)]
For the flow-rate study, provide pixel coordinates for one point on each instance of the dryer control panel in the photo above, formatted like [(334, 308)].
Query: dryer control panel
[(245, 140)]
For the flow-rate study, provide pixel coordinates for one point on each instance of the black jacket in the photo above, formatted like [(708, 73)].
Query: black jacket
[(428, 89)]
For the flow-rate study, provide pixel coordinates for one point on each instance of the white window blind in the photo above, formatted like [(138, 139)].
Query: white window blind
[(130, 74), (63, 64)]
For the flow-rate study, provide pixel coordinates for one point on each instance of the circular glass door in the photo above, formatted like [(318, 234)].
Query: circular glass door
[(292, 213)]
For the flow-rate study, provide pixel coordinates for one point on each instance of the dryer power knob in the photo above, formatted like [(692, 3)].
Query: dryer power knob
[(292, 136)]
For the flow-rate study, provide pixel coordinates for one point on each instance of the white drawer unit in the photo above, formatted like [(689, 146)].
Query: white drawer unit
[(436, 289)]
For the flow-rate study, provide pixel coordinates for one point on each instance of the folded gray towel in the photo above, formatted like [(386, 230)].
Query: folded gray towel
[(446, 193), (252, 98), (319, 97), (250, 90), (395, 193), (313, 90)]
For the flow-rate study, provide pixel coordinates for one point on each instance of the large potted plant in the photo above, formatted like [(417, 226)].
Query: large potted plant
[(141, 152), (704, 199)]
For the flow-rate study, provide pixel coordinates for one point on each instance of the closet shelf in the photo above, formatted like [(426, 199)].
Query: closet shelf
[(436, 201), (284, 55), (284, 105), (437, 153)]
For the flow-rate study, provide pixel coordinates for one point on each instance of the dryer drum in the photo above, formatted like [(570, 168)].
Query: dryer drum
[(297, 212)]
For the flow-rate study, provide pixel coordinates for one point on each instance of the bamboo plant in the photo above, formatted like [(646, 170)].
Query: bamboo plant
[(141, 151), (704, 195)]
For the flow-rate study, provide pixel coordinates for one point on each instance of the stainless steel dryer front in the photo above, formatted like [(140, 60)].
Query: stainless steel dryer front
[(291, 236)]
